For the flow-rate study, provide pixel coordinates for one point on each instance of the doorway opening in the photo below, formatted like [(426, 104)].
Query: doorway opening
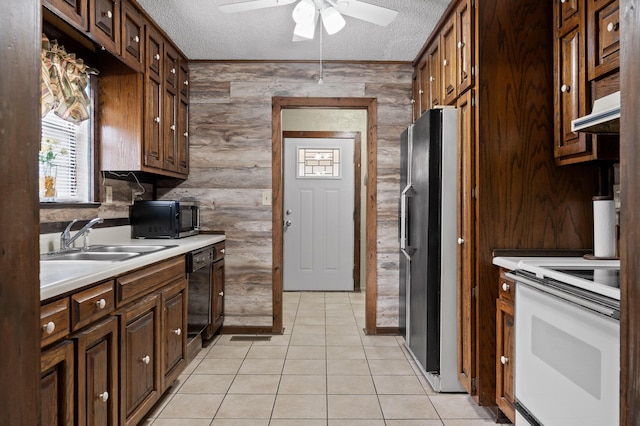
[(370, 263)]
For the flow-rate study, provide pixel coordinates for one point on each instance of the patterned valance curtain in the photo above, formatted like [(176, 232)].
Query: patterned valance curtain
[(64, 79)]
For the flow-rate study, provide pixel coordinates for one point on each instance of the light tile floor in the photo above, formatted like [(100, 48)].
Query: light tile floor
[(322, 371)]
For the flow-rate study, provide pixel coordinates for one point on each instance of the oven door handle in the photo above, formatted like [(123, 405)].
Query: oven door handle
[(568, 296)]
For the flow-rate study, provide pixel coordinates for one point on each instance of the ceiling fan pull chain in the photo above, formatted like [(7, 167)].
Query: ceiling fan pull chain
[(321, 81)]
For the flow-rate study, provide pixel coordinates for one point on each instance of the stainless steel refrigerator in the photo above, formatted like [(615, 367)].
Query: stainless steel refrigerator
[(428, 246)]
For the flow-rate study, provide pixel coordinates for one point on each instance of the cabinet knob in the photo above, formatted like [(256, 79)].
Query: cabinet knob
[(222, 251), (504, 360), (136, 39), (101, 303), (413, 101), (445, 62), (146, 359), (186, 82), (49, 327), (156, 56), (172, 127), (104, 396), (185, 134), (177, 331), (563, 1), (109, 14), (611, 26), (564, 88), (221, 294), (173, 70), (505, 287), (460, 45), (460, 241), (421, 91), (157, 119), (432, 78)]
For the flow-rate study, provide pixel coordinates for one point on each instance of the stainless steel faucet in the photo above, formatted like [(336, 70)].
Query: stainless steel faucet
[(66, 239)]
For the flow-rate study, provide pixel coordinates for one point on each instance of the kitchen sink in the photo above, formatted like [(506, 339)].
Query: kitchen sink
[(105, 253), (126, 248)]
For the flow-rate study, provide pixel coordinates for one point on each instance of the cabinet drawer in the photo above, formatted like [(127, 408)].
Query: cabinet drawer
[(54, 321), (144, 281), (507, 288), (92, 304), (218, 252), (604, 41)]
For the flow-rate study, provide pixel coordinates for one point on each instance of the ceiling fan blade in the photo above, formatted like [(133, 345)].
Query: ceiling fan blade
[(252, 5), (364, 11)]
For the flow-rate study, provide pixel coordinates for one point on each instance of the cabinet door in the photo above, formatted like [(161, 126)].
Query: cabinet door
[(423, 87), (73, 11), (435, 70), (448, 52), (170, 66), (183, 78), (604, 37), (466, 242), (97, 373), (415, 97), (132, 43), (174, 329), (217, 312), (139, 359), (183, 136), (104, 23), (154, 51), (465, 43), (153, 122), (169, 128), (56, 385), (567, 14), (504, 358), (570, 93)]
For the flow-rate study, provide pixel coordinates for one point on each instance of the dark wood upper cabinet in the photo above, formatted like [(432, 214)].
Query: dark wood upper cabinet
[(568, 13), (132, 43), (73, 11), (465, 44), (434, 72), (603, 18), (448, 47), (104, 24)]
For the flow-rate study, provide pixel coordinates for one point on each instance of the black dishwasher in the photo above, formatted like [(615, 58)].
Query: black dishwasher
[(201, 310)]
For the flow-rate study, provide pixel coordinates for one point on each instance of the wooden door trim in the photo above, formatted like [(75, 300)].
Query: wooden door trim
[(370, 105), (357, 176)]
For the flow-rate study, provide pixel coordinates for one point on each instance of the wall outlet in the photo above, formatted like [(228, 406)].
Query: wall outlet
[(108, 194), (266, 197)]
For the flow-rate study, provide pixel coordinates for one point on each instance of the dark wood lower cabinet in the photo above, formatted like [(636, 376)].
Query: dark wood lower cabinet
[(174, 325), (505, 346), (139, 358), (217, 313), (56, 385), (97, 374)]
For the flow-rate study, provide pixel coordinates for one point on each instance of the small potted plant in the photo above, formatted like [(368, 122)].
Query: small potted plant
[(49, 150)]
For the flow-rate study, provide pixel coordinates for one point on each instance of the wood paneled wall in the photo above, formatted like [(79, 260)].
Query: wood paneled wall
[(230, 166)]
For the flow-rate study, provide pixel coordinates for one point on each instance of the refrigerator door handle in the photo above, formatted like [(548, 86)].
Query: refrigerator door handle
[(403, 218)]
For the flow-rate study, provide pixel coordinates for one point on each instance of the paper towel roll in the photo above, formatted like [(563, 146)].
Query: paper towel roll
[(604, 227)]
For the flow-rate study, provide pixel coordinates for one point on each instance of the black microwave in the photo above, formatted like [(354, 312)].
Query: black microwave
[(164, 219)]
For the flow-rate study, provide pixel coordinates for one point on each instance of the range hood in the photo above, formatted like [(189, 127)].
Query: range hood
[(604, 118)]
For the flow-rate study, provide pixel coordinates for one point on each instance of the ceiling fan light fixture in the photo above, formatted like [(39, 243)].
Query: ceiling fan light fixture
[(304, 12), (332, 20)]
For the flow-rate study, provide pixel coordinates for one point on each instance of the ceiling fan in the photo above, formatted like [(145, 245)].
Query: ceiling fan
[(306, 13)]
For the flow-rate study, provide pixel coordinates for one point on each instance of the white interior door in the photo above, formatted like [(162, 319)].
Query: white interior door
[(318, 214)]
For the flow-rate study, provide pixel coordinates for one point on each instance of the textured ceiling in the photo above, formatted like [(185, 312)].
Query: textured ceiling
[(202, 31)]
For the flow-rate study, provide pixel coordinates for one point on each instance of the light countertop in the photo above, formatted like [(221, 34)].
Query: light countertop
[(59, 277)]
